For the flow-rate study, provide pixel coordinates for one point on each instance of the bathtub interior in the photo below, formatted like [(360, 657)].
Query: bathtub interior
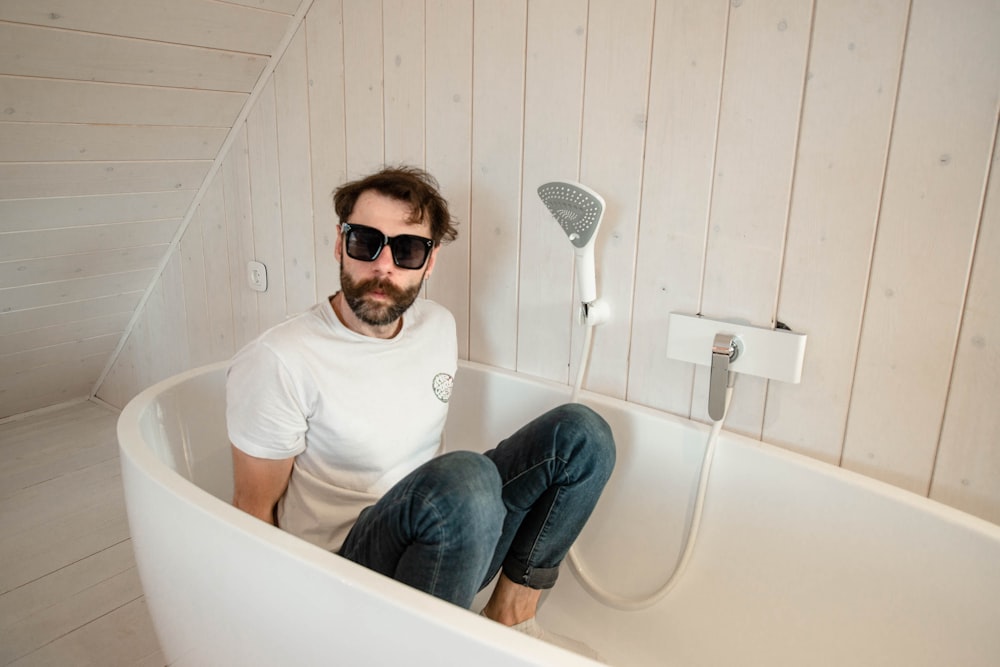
[(185, 427), (797, 563)]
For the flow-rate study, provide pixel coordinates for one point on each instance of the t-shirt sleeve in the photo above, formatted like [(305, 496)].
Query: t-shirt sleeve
[(265, 411)]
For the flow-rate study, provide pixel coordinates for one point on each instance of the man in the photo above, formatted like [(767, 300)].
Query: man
[(336, 416)]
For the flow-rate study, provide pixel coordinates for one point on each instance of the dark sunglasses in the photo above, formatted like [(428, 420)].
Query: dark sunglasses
[(366, 243)]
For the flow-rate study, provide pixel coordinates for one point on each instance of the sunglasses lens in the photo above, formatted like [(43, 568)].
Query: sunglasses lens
[(363, 243), (409, 252)]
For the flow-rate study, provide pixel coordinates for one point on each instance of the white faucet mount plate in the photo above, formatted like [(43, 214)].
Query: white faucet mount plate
[(776, 354)]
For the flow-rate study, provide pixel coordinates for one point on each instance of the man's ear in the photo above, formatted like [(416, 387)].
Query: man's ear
[(338, 247), (430, 262)]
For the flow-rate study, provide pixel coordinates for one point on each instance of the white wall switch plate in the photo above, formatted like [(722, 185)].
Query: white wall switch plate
[(257, 276), (776, 354)]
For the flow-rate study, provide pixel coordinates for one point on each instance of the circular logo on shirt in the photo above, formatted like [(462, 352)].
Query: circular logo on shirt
[(442, 386)]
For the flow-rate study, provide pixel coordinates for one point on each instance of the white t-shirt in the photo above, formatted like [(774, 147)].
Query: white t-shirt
[(357, 413)]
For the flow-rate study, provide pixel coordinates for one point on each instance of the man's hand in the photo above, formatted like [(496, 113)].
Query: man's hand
[(259, 484)]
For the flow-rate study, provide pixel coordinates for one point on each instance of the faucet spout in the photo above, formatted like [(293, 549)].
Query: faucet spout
[(725, 350)]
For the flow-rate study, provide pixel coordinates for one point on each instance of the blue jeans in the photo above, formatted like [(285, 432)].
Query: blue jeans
[(451, 524)]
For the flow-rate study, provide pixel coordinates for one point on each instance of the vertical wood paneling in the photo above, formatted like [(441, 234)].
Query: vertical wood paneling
[(217, 272), (942, 142), (714, 174), (167, 323), (265, 197), (363, 86), (766, 54), (235, 175), (292, 95), (617, 86), (403, 58), (554, 76), (850, 94), (498, 95), (449, 148), (195, 286), (966, 471), (325, 47), (685, 84)]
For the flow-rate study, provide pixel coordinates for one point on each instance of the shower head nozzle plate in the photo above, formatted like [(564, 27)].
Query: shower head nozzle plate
[(576, 208)]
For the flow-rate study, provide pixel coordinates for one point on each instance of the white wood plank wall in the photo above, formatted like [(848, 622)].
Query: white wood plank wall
[(828, 165), (111, 115)]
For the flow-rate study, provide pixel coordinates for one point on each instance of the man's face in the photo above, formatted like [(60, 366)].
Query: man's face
[(379, 292)]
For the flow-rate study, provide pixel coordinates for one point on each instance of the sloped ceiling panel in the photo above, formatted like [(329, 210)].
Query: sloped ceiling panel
[(111, 115)]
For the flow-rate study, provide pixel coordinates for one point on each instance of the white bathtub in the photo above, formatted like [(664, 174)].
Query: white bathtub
[(797, 563)]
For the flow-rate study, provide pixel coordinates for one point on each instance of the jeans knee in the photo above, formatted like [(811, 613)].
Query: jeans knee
[(464, 489), (590, 434)]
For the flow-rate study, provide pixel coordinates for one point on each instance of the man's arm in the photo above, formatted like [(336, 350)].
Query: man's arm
[(259, 483)]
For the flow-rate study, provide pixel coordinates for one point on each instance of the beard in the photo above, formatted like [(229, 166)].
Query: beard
[(374, 313)]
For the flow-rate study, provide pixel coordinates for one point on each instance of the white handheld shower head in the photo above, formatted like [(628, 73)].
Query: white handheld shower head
[(579, 211)]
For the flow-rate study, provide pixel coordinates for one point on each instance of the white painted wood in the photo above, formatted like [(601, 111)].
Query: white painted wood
[(968, 461), (685, 84), (403, 66), (48, 385), (169, 322), (66, 291), (554, 74), (217, 271), (235, 175), (36, 214), (63, 332), (120, 384), (328, 142), (22, 321), (75, 240), (292, 97), (62, 617), (363, 87), (620, 39), (195, 22), (283, 6), (60, 477), (43, 101), (26, 180), (941, 146), (265, 198), (65, 54), (127, 628), (765, 70), (850, 95), (53, 142), (499, 36), (51, 269), (195, 285), (60, 353), (449, 148)]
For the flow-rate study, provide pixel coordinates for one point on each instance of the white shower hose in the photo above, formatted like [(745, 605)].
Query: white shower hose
[(586, 579)]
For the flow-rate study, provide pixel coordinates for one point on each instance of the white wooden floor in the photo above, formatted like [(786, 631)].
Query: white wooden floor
[(69, 590)]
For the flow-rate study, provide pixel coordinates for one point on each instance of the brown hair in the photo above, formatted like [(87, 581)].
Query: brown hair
[(406, 184)]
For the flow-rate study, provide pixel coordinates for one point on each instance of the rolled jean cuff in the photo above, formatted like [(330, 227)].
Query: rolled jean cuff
[(539, 578)]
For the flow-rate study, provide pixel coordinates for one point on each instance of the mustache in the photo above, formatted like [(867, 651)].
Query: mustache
[(381, 285)]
